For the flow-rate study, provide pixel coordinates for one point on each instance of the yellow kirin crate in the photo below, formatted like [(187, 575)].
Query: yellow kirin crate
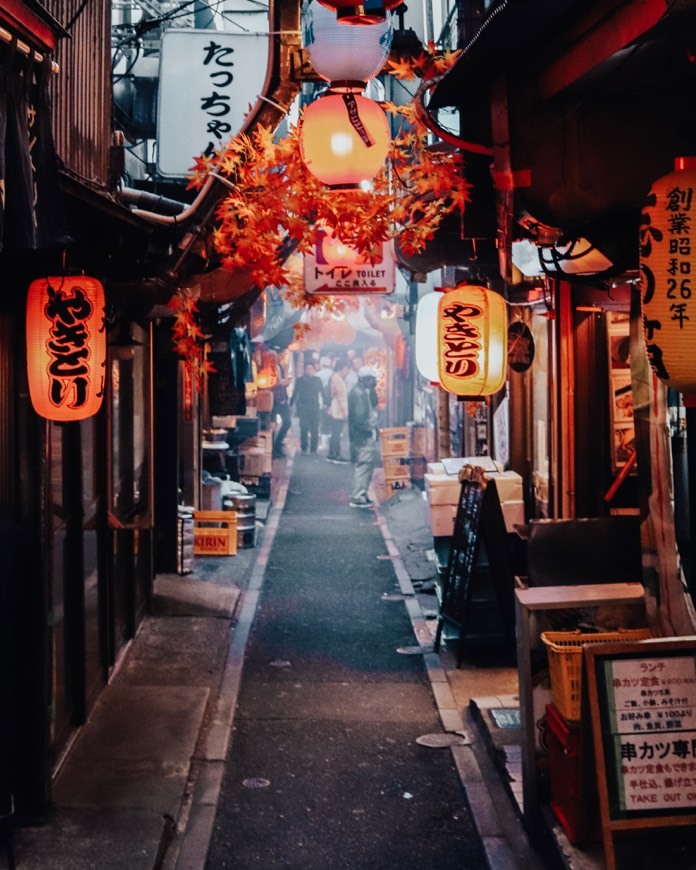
[(214, 533), (564, 650)]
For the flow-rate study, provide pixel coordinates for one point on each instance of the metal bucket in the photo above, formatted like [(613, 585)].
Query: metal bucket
[(244, 504)]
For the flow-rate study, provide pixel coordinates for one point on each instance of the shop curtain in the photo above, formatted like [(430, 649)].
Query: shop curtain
[(31, 206)]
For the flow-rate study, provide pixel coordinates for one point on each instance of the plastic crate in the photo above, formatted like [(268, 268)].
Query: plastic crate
[(396, 469), (215, 533), (564, 650)]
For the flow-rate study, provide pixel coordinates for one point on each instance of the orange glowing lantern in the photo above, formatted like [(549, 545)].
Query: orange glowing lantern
[(331, 251), (368, 12), (472, 341), (267, 375), (66, 347), (344, 138), (668, 273)]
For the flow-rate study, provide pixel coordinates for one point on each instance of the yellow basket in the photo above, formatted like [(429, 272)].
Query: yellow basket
[(564, 650)]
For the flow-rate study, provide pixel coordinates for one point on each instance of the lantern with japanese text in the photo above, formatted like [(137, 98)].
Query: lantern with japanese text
[(368, 12), (472, 341), (668, 277), (66, 347), (344, 138), (345, 54)]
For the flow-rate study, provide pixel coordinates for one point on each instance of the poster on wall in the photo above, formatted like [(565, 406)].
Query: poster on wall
[(623, 445)]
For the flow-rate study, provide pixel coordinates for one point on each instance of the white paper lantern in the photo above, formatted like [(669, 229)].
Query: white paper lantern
[(340, 53), (426, 336)]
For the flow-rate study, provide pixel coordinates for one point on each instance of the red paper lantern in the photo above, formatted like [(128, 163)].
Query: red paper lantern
[(369, 12), (344, 138), (472, 341), (66, 347), (668, 278)]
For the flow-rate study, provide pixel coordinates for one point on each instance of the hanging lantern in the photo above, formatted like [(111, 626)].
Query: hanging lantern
[(345, 54), (344, 138), (472, 341), (66, 347), (267, 374), (426, 336), (668, 273), (331, 251), (369, 12)]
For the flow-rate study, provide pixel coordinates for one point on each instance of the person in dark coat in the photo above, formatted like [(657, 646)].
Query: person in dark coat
[(362, 430), (306, 398)]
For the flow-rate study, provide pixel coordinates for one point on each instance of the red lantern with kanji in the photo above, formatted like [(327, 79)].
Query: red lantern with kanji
[(472, 341), (66, 347), (668, 277)]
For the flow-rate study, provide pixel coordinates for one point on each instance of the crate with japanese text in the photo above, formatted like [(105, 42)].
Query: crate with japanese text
[(396, 468), (214, 533), (395, 441)]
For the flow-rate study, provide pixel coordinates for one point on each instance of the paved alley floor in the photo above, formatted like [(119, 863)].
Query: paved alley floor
[(324, 768)]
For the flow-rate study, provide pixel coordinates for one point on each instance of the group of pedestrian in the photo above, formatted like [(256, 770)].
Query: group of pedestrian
[(325, 398)]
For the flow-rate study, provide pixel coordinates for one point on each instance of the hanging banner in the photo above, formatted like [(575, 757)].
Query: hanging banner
[(327, 271), (208, 81)]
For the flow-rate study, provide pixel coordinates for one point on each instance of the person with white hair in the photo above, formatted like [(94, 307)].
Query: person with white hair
[(362, 431)]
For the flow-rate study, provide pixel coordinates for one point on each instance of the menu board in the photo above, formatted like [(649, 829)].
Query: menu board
[(642, 700)]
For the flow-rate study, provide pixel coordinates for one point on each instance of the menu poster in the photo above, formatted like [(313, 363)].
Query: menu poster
[(651, 713)]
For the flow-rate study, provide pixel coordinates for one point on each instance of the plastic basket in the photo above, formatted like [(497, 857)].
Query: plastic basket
[(564, 650)]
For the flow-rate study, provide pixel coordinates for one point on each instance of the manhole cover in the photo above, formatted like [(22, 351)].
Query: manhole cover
[(414, 650), (281, 663), (256, 782), (442, 740)]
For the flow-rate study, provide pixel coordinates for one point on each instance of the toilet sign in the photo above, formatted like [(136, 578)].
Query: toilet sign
[(328, 271)]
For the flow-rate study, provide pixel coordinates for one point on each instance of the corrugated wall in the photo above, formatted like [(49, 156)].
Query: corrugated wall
[(81, 92)]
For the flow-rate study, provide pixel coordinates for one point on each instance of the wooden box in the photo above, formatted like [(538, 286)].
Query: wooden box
[(214, 533)]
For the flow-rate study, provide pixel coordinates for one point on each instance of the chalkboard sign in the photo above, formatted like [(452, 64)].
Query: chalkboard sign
[(479, 578), (642, 699)]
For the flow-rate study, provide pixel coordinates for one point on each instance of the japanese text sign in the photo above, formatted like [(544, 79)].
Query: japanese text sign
[(208, 81), (327, 272)]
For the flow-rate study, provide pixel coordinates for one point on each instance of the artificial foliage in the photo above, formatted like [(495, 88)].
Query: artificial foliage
[(274, 203)]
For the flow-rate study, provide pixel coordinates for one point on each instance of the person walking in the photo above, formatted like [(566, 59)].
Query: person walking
[(362, 430), (338, 409), (306, 398), (325, 373), (281, 407)]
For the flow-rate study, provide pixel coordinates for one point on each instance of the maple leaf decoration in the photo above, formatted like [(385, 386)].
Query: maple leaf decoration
[(273, 202), (187, 338)]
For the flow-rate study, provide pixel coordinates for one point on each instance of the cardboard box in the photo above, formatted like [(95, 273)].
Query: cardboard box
[(215, 533), (441, 518), (435, 468), (513, 514), (442, 489), (508, 484), (252, 461)]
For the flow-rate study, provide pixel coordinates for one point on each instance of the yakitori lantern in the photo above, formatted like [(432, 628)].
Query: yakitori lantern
[(668, 277), (345, 54), (472, 341), (66, 347), (369, 12), (426, 336), (344, 138)]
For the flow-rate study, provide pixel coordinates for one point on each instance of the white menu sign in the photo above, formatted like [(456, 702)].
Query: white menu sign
[(652, 719)]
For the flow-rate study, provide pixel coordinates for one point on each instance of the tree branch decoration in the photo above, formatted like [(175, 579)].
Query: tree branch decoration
[(275, 202), (188, 339)]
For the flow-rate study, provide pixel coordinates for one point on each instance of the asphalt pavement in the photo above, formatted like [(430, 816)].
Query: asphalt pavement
[(277, 708)]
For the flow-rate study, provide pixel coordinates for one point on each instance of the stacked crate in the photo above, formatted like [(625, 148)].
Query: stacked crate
[(395, 459), (255, 457)]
